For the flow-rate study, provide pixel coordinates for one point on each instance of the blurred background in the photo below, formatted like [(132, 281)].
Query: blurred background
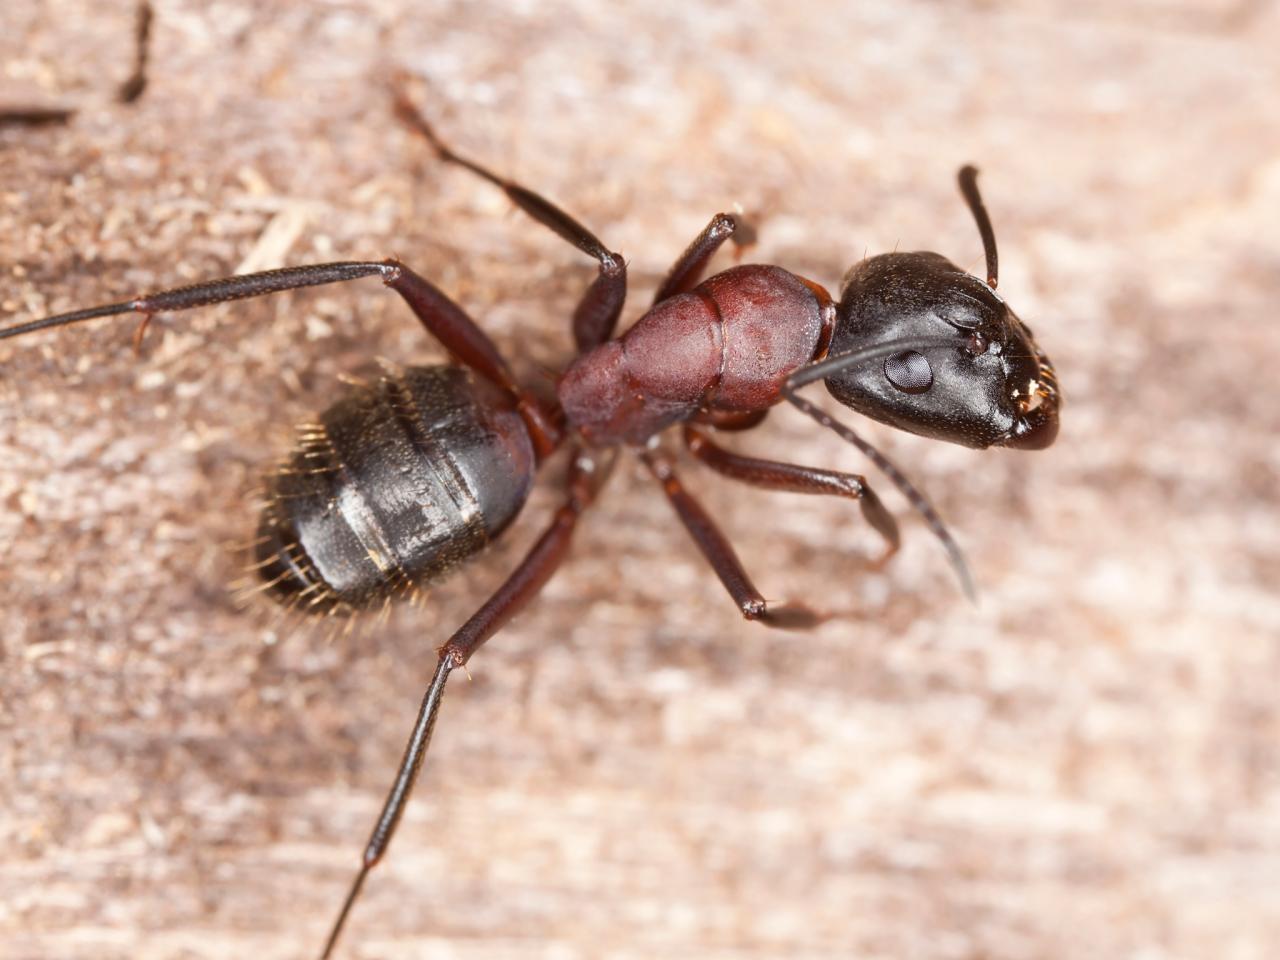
[(1085, 764)]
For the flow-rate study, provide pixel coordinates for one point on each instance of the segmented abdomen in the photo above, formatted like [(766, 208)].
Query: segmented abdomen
[(394, 486)]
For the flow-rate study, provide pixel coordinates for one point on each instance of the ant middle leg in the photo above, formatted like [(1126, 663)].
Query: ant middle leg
[(692, 263), (542, 560), (793, 478), (596, 315), (720, 553)]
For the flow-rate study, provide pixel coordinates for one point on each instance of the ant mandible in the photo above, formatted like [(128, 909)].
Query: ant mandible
[(397, 483)]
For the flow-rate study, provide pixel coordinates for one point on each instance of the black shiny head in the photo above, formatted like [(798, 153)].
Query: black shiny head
[(968, 370)]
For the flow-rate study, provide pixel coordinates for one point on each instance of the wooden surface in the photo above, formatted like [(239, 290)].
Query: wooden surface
[(1085, 765)]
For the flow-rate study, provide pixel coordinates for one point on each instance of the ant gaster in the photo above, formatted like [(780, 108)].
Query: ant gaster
[(396, 484)]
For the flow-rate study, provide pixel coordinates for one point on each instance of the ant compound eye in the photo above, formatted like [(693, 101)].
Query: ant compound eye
[(909, 372)]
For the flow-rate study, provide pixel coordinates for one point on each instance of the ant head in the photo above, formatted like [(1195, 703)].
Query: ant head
[(923, 346), (968, 370)]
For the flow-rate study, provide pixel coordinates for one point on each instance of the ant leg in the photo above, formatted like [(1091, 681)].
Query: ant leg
[(35, 116), (720, 553), (524, 583), (689, 266), (449, 324), (792, 478), (596, 315), (443, 318), (129, 91)]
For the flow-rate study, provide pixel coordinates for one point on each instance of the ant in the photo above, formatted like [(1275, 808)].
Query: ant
[(399, 482)]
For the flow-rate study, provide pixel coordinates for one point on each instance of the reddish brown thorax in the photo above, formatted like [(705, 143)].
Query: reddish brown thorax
[(728, 345)]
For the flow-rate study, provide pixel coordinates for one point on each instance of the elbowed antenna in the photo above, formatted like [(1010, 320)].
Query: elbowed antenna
[(823, 369), (968, 178), (831, 365), (899, 480)]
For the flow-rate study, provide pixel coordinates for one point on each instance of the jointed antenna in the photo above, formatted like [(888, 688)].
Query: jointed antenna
[(969, 189), (832, 365), (899, 480)]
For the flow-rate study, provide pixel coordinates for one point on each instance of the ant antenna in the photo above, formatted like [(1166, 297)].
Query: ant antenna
[(832, 365), (968, 178), (914, 496)]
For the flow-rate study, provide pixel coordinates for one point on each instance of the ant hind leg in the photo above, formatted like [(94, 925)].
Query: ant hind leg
[(441, 317), (542, 560), (793, 478)]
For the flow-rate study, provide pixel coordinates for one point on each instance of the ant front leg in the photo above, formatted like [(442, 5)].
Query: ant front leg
[(522, 586), (720, 554), (596, 315), (792, 478)]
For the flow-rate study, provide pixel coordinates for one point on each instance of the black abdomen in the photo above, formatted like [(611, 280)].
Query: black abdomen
[(394, 486)]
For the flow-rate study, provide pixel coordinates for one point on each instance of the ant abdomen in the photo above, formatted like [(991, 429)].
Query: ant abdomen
[(392, 487)]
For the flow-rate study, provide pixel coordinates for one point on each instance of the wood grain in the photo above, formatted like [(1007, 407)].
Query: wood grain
[(1085, 765)]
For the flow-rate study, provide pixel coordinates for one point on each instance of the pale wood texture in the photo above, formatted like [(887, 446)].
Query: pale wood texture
[(1083, 766)]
